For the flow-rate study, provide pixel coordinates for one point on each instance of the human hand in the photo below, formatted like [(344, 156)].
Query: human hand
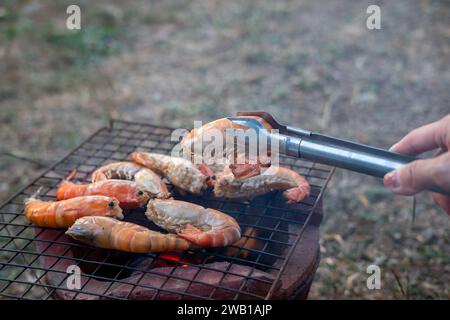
[(420, 175)]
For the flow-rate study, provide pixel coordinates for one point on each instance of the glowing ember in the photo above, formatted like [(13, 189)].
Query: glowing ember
[(246, 243), (172, 259)]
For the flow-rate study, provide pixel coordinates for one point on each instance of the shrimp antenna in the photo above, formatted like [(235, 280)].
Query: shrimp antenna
[(71, 175), (34, 196)]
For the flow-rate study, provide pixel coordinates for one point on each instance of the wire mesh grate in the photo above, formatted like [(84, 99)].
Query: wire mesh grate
[(34, 261)]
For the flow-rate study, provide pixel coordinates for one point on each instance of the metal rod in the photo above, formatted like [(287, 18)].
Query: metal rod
[(354, 156)]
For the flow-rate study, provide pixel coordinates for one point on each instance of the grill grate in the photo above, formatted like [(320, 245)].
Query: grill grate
[(34, 260)]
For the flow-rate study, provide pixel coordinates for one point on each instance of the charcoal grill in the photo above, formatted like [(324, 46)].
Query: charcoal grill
[(276, 258)]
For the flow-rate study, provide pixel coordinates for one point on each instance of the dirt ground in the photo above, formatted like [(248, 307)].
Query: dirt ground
[(312, 64)]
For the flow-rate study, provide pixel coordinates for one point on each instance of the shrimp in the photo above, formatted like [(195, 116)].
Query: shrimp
[(203, 226), (182, 173), (108, 233), (145, 178), (229, 185), (62, 214), (203, 141), (129, 194), (197, 135)]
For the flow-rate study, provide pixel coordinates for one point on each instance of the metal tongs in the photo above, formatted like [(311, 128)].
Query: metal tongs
[(325, 149)]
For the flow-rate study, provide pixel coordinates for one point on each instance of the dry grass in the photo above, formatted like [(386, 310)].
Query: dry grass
[(311, 63)]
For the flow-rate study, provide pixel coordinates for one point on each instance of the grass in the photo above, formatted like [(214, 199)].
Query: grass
[(87, 46)]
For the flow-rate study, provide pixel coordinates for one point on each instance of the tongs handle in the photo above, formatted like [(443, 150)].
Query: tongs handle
[(352, 156), (332, 151)]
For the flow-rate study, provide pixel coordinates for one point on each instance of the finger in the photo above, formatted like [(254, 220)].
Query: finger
[(420, 175), (429, 137), (442, 201)]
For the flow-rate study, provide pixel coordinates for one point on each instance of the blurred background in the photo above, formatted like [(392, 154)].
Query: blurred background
[(312, 64)]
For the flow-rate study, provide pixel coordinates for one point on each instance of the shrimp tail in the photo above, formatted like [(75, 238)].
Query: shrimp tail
[(195, 235), (297, 194)]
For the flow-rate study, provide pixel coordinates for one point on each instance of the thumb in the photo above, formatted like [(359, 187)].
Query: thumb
[(416, 176)]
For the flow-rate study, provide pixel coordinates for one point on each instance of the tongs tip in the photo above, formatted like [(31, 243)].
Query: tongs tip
[(267, 121), (247, 122)]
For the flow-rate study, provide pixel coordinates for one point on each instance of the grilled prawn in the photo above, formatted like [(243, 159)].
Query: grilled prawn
[(203, 226), (62, 214), (145, 178), (199, 141), (129, 194), (182, 173), (240, 184), (219, 126), (109, 233)]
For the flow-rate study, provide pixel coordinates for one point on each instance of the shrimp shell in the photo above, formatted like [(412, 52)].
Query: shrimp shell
[(195, 144), (145, 178), (196, 135), (129, 194), (295, 186), (204, 227), (62, 214), (181, 172), (108, 233)]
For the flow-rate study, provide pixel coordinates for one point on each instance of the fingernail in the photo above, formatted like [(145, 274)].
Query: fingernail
[(391, 180), (393, 147)]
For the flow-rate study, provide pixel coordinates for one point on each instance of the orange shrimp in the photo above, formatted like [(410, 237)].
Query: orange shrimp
[(129, 194), (62, 214), (108, 233), (204, 227), (230, 185), (145, 178)]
